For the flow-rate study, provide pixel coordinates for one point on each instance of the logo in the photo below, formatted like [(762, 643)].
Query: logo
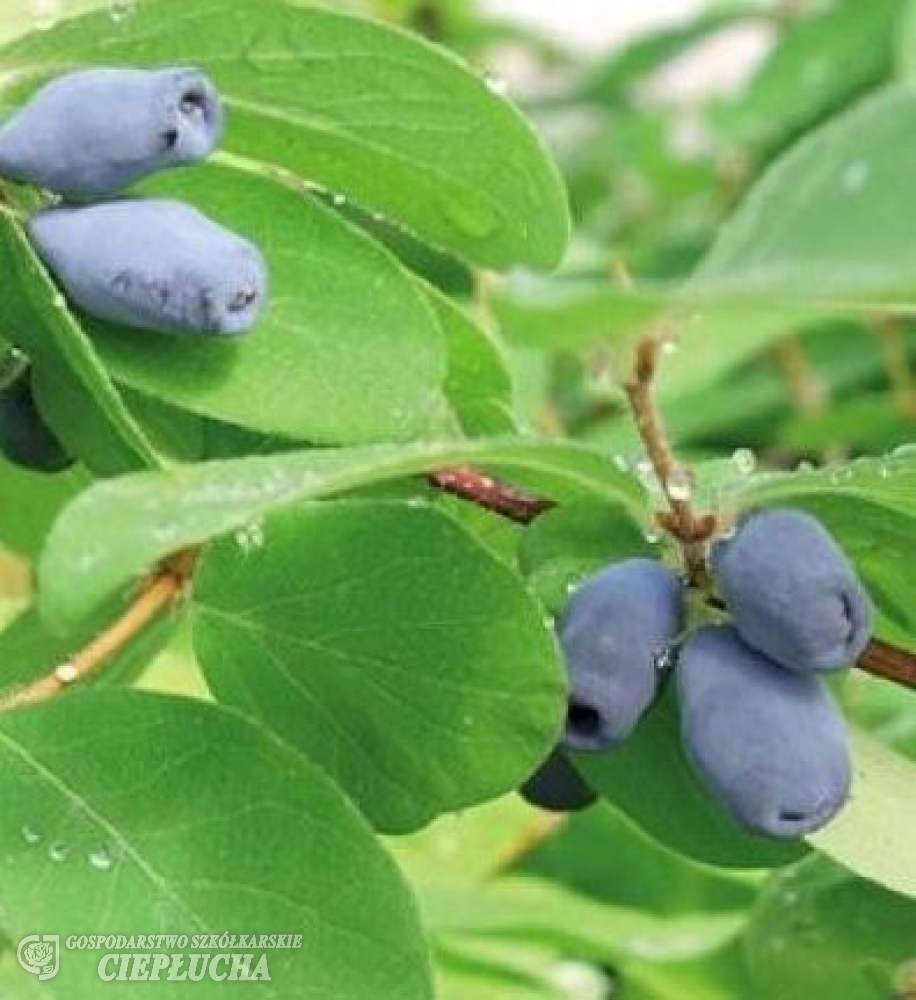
[(39, 954)]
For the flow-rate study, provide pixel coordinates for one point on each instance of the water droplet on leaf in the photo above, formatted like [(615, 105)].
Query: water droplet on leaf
[(66, 673), (58, 851), (679, 485), (856, 176), (744, 461), (101, 859), (496, 84), (118, 10)]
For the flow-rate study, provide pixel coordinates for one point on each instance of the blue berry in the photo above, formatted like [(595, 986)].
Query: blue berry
[(558, 786), (617, 627), (94, 132), (792, 592), (25, 439), (769, 743), (154, 264)]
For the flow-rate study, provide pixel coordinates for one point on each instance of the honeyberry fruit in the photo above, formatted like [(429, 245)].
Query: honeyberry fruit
[(94, 132), (769, 743), (155, 264), (792, 592), (558, 786), (617, 626), (25, 438)]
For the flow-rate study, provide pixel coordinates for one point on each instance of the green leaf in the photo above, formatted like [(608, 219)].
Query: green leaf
[(478, 384), (348, 352), (119, 529), (605, 856), (390, 647), (138, 813), (37, 320), (650, 779), (576, 315), (371, 112), (30, 502), (869, 422), (829, 223), (570, 543), (888, 481), (872, 836), (536, 910), (820, 932)]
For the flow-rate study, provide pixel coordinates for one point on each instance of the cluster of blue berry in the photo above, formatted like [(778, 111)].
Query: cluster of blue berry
[(758, 723), (149, 263)]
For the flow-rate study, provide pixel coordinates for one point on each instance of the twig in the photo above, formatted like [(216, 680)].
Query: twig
[(897, 363), (887, 661), (806, 389), (880, 658), (492, 494), (692, 530), (155, 595)]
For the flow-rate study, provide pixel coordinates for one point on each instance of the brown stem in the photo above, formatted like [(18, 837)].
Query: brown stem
[(889, 662), (501, 498), (880, 659), (691, 530), (155, 595)]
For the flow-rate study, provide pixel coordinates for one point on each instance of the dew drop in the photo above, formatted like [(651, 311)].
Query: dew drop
[(101, 859), (58, 851), (665, 658), (30, 835), (744, 461), (728, 532), (496, 84), (118, 10), (66, 673), (621, 462), (669, 347), (59, 301), (250, 537), (580, 981), (339, 200), (652, 535), (645, 470), (679, 485), (856, 176)]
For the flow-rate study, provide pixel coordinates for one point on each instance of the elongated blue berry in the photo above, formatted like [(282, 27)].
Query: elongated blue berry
[(615, 630), (558, 786), (159, 265), (25, 439), (770, 744), (94, 132), (792, 592)]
